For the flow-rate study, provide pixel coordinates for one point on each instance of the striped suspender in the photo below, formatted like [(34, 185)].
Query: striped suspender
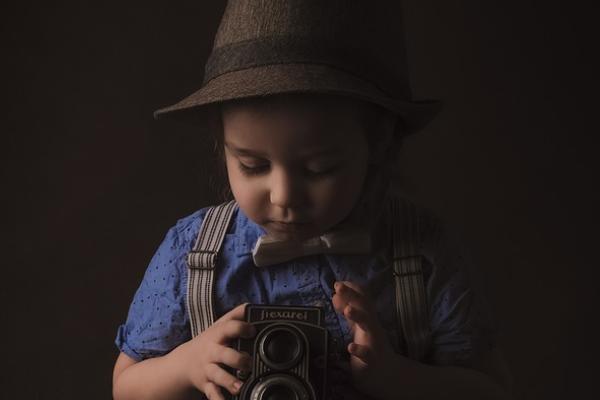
[(201, 262), (411, 301)]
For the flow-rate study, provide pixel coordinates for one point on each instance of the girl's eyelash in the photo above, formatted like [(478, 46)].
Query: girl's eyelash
[(260, 169), (324, 172), (252, 170)]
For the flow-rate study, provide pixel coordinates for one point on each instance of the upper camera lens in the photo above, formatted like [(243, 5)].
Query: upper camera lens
[(281, 348)]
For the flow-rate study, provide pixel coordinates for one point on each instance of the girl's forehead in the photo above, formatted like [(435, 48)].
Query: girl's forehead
[(311, 120), (316, 110), (307, 124), (308, 131)]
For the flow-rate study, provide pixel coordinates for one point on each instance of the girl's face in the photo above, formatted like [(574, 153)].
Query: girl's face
[(296, 168)]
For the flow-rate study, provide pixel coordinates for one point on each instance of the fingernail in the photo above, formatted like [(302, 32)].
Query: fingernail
[(237, 385), (337, 285)]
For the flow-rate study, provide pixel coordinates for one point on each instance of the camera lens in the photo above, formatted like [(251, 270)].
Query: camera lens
[(280, 387), (281, 348), (279, 392)]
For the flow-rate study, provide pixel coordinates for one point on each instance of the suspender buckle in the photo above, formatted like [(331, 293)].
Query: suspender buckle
[(202, 259)]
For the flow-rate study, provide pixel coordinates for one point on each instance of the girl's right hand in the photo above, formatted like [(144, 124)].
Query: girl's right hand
[(200, 359)]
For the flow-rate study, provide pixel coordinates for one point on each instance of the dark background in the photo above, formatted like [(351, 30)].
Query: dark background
[(91, 183)]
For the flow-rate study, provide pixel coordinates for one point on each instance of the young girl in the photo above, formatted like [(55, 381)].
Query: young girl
[(311, 108)]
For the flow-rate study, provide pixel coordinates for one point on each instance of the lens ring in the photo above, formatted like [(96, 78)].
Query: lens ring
[(281, 347), (280, 386)]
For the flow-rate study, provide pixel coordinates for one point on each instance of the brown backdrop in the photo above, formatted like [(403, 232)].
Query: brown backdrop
[(91, 182)]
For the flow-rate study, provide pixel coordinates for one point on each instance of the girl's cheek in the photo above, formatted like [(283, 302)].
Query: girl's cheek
[(252, 193)]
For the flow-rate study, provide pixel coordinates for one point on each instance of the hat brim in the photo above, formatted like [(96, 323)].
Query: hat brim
[(298, 78)]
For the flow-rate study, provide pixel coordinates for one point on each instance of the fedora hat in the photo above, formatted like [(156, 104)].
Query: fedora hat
[(337, 47)]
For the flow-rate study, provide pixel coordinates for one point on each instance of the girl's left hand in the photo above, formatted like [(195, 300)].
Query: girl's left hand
[(375, 365)]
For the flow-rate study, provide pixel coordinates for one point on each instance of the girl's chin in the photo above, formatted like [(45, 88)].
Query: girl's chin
[(298, 233), (299, 236)]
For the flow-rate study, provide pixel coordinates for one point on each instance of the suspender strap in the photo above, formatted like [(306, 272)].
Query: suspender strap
[(202, 261), (411, 300)]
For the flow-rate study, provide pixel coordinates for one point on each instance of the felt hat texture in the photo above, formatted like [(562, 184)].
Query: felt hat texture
[(337, 47)]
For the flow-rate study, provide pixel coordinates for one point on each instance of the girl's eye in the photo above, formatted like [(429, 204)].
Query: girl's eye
[(321, 172), (256, 170), (247, 170)]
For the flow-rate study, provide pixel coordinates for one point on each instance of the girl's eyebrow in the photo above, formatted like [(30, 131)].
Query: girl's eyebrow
[(244, 152), (325, 151)]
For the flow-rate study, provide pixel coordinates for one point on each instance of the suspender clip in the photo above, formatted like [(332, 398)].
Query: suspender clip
[(202, 259)]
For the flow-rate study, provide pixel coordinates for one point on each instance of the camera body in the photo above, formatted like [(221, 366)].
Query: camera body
[(289, 353)]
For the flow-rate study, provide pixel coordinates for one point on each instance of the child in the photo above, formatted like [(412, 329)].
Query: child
[(312, 107)]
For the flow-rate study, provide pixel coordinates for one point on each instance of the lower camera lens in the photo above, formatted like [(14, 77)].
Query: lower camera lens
[(279, 392), (280, 387)]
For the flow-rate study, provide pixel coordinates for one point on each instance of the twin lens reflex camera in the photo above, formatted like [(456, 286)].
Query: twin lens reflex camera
[(289, 353)]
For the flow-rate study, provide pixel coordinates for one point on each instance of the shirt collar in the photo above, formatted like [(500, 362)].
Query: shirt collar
[(246, 232)]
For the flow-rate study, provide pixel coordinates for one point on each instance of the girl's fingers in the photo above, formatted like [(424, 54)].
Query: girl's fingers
[(213, 392), (234, 329), (356, 288), (235, 314), (346, 293), (364, 353), (220, 377), (360, 317), (232, 358)]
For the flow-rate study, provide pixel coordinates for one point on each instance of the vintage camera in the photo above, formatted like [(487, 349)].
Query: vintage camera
[(289, 354)]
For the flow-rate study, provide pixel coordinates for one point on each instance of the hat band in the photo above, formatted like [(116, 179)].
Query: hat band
[(291, 50)]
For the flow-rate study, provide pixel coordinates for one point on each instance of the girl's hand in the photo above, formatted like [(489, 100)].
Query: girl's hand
[(201, 358), (375, 365)]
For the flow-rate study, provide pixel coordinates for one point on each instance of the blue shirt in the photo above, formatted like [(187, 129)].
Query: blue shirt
[(157, 321)]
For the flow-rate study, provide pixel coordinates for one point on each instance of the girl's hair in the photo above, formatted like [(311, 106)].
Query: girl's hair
[(218, 182), (376, 121)]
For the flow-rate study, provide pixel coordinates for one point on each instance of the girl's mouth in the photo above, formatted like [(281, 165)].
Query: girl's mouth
[(288, 226)]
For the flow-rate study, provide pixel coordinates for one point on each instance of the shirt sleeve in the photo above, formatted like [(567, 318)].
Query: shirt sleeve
[(157, 320), (461, 320)]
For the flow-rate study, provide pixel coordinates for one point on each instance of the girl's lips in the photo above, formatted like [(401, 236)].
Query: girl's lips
[(287, 226)]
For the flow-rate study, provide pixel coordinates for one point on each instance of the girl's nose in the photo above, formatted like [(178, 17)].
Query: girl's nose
[(286, 190)]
